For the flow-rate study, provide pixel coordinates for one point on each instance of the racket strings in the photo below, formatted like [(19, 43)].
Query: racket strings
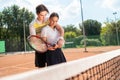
[(37, 44)]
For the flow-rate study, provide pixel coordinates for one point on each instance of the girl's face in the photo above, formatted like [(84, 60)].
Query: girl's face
[(53, 21), (42, 15)]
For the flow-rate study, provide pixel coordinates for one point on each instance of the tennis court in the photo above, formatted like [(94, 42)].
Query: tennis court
[(18, 63)]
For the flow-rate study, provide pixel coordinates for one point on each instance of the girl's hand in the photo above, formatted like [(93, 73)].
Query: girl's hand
[(51, 48), (56, 46)]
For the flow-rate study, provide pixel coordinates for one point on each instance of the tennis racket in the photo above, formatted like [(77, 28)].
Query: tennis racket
[(37, 44)]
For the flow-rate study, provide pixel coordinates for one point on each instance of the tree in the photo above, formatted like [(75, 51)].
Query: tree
[(70, 34), (92, 27), (71, 29), (14, 19), (118, 26), (1, 25), (108, 34)]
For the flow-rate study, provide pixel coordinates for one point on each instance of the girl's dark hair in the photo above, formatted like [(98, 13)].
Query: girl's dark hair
[(54, 14), (41, 8)]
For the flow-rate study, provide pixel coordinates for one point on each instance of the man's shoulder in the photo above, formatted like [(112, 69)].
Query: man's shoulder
[(32, 22)]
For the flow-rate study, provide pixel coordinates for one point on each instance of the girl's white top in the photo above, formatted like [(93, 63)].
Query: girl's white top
[(51, 34)]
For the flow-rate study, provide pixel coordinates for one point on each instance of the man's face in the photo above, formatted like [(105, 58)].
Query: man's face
[(42, 15)]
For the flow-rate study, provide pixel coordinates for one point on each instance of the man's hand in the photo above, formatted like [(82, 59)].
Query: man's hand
[(60, 43)]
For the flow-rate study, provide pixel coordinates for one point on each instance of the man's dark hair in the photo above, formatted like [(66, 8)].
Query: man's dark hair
[(41, 8)]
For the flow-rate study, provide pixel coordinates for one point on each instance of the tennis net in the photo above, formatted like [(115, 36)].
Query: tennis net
[(105, 66)]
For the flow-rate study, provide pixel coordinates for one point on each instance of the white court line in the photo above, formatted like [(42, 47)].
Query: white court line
[(16, 66), (21, 67)]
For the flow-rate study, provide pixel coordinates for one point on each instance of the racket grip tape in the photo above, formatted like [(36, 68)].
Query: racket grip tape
[(54, 45)]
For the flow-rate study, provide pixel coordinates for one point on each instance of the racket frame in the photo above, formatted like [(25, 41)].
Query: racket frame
[(33, 47)]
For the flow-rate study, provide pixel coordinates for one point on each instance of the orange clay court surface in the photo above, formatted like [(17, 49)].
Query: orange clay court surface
[(18, 63)]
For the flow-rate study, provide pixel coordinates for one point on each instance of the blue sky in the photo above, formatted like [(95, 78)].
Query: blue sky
[(69, 10)]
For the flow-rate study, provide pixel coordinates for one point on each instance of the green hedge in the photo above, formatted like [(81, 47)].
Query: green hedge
[(91, 42)]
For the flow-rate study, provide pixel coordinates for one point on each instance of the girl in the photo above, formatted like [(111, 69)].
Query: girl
[(50, 34)]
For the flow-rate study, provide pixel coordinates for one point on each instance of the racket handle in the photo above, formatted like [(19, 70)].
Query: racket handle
[(54, 45)]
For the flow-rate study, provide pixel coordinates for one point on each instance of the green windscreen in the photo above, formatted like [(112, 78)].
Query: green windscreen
[(2, 46)]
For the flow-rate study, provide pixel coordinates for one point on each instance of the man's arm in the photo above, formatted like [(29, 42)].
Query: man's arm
[(32, 30), (49, 46), (60, 29), (61, 40)]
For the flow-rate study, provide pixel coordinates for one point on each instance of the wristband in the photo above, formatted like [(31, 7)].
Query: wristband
[(61, 38)]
